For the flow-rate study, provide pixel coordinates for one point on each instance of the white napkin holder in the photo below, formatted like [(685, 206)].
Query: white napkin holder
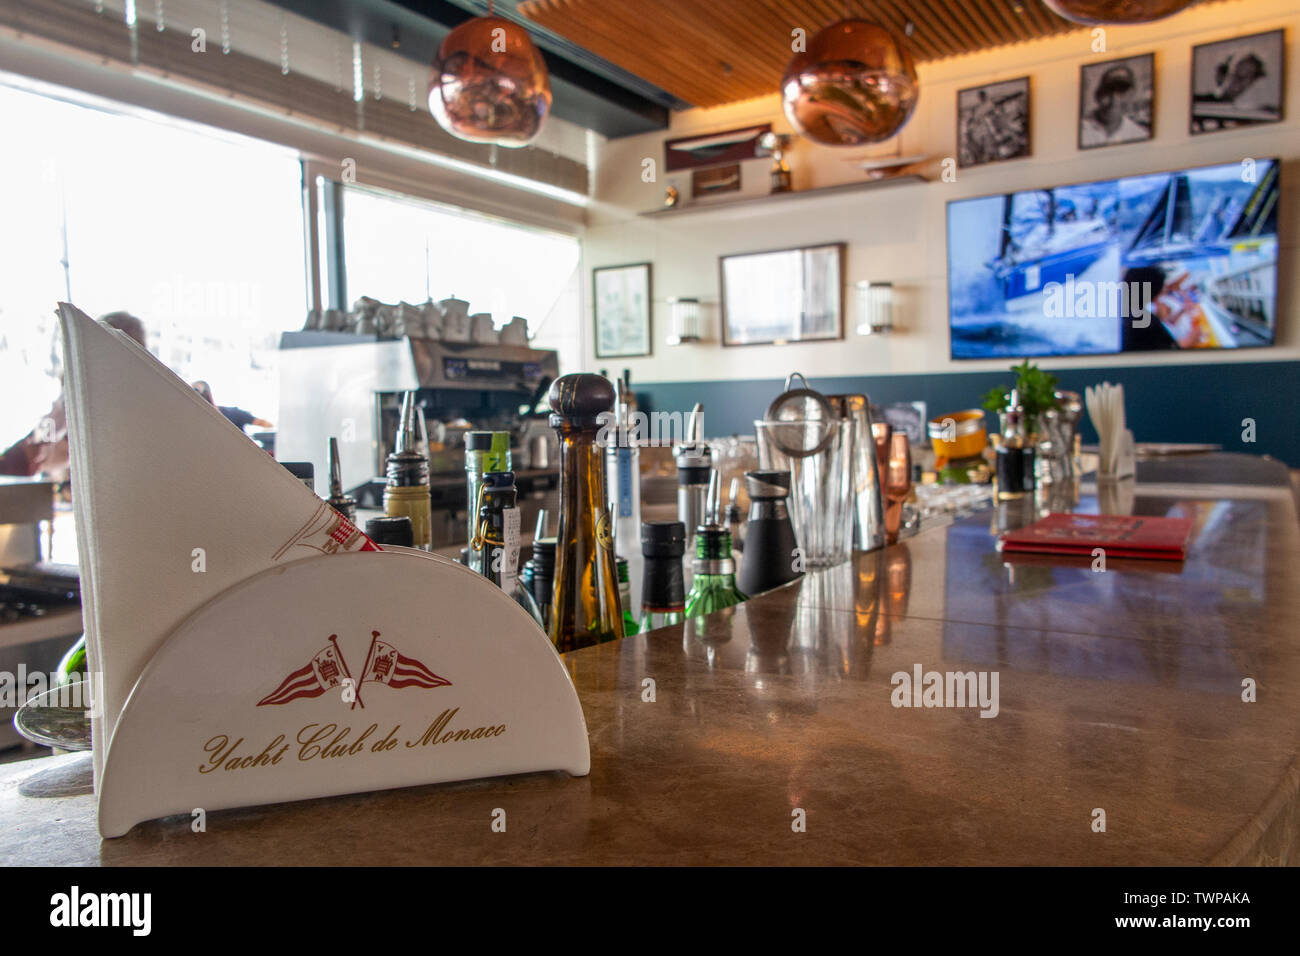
[(335, 675)]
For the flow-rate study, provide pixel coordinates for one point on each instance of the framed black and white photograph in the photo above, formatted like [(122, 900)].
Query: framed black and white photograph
[(785, 295), (993, 122), (1116, 99), (1238, 82), (621, 305)]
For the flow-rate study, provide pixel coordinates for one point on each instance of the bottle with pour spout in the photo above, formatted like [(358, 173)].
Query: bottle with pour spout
[(694, 461), (343, 503), (407, 490), (714, 585)]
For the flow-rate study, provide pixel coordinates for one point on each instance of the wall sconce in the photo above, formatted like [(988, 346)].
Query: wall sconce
[(875, 308), (684, 321)]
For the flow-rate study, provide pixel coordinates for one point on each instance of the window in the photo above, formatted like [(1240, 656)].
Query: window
[(197, 232), (200, 233), (403, 250)]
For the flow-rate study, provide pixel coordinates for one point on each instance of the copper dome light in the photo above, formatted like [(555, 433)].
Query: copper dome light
[(1115, 11), (488, 84), (854, 85)]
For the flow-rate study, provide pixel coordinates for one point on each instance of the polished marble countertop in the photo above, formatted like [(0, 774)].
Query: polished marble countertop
[(1118, 691)]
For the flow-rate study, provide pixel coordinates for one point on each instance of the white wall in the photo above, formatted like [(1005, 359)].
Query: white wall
[(898, 233)]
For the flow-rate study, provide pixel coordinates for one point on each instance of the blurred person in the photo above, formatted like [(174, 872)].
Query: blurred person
[(236, 416), (1111, 118), (44, 450), (204, 390), (1239, 82)]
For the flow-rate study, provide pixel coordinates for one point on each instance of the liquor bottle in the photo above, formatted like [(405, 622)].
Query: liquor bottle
[(663, 595), (407, 490), (585, 608), (484, 452), (524, 594), (391, 531), (526, 576), (625, 596), (495, 545), (714, 584), (734, 517), (623, 477), (543, 576)]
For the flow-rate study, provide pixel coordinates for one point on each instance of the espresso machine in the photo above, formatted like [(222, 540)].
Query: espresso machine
[(352, 391)]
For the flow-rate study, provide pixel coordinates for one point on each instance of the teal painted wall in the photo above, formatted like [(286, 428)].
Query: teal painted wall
[(1175, 403)]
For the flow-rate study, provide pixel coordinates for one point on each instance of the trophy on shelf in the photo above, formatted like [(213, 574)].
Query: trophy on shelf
[(777, 144)]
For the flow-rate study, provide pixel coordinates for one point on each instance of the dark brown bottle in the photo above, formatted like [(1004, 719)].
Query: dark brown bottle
[(585, 607)]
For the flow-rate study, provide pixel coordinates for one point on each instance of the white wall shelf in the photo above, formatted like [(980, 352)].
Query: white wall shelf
[(753, 202)]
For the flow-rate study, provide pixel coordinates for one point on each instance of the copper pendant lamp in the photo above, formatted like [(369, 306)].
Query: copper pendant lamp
[(488, 83), (854, 85), (1115, 11)]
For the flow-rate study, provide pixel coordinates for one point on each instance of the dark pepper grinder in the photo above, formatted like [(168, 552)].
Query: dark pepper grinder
[(769, 537)]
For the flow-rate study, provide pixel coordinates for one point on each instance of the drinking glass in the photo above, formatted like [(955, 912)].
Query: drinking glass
[(818, 453), (898, 482)]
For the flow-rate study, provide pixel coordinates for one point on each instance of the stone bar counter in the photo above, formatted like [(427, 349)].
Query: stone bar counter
[(771, 735)]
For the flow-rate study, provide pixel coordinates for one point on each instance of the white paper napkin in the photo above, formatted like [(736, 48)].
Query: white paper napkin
[(173, 503), (1105, 403)]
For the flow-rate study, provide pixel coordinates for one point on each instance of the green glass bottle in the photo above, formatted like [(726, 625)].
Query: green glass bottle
[(73, 666), (625, 596), (714, 585)]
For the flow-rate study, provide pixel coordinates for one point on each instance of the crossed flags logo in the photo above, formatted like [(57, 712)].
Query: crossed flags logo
[(328, 669)]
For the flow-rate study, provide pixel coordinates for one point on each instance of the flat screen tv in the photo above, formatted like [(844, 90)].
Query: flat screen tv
[(1177, 260)]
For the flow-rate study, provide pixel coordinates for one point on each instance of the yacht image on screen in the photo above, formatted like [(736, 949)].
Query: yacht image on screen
[(1175, 260)]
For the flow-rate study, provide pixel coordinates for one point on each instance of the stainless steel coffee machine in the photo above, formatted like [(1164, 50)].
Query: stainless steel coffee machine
[(334, 386)]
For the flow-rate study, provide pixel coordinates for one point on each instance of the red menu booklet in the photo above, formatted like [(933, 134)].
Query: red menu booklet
[(1120, 536)]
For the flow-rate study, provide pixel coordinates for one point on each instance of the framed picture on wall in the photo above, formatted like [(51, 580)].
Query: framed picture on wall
[(621, 306), (1116, 99), (1237, 82), (993, 122), (786, 295)]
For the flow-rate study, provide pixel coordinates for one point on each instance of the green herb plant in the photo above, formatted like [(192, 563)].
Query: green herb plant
[(1037, 390)]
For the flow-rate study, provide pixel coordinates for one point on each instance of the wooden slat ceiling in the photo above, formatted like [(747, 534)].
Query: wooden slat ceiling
[(710, 52)]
